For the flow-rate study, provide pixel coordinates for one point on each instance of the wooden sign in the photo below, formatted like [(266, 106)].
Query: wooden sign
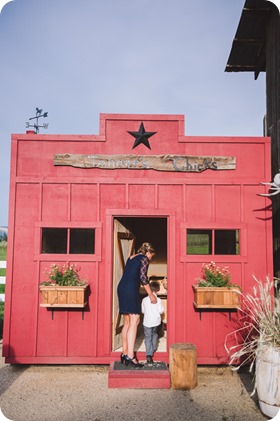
[(178, 163)]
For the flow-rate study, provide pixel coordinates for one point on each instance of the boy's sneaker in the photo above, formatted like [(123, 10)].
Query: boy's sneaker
[(149, 359)]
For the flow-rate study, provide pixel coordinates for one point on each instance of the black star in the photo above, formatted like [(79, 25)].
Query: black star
[(141, 136)]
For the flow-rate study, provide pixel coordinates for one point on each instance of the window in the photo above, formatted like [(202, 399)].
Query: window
[(68, 241), (54, 240), (81, 241), (199, 241), (226, 242), (215, 241)]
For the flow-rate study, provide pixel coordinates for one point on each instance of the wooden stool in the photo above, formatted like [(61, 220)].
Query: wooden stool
[(183, 366)]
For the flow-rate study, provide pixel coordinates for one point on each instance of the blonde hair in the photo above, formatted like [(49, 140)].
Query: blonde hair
[(146, 248)]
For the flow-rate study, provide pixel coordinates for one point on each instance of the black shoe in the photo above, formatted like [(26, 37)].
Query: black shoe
[(149, 359), (135, 357), (133, 362), (123, 358)]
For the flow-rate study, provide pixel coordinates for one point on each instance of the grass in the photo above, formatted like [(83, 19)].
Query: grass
[(198, 249), (3, 250)]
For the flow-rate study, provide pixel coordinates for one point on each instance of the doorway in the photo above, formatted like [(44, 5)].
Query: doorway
[(129, 234)]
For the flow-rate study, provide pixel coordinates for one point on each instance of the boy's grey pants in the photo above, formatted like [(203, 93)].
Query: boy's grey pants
[(151, 339)]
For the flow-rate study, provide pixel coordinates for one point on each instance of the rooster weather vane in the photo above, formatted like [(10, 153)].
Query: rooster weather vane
[(36, 125)]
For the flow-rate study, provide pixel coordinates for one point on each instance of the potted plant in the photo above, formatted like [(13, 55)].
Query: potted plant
[(257, 342), (64, 287), (214, 289)]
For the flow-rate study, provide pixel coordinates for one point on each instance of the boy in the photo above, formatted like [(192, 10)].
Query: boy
[(152, 320)]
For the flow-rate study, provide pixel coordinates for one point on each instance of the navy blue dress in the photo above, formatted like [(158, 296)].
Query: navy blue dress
[(135, 273)]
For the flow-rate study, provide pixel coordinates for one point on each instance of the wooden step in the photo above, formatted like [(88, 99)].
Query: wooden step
[(151, 376)]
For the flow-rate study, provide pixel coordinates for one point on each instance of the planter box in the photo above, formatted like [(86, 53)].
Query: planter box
[(63, 296), (216, 298)]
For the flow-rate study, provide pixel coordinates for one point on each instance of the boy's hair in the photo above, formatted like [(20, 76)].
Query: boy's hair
[(154, 286)]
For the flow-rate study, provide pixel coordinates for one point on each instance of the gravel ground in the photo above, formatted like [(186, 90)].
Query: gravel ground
[(80, 393)]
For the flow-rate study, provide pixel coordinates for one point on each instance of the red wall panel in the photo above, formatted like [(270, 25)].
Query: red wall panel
[(141, 196), (24, 281), (227, 204), (199, 204), (55, 202), (88, 195)]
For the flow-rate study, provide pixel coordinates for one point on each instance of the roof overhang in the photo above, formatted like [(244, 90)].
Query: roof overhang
[(248, 47)]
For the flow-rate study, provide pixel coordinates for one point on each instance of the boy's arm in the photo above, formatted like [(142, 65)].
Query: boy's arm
[(160, 306), (143, 306)]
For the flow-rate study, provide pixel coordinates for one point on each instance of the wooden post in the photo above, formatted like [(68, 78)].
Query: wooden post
[(183, 366)]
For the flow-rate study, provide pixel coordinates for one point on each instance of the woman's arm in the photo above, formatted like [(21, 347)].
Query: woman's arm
[(153, 297), (144, 279)]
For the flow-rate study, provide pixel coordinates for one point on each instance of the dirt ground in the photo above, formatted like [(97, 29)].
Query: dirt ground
[(81, 393)]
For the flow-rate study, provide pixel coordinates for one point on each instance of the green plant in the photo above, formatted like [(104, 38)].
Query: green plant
[(259, 324), (66, 275), (214, 276)]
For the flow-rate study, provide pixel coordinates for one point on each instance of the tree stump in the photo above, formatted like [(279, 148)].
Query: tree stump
[(183, 366)]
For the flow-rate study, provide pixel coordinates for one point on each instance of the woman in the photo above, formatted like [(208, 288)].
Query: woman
[(135, 272)]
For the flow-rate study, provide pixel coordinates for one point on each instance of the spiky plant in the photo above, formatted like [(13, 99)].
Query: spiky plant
[(259, 324)]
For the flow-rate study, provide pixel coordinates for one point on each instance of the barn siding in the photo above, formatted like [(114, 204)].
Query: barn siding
[(64, 196)]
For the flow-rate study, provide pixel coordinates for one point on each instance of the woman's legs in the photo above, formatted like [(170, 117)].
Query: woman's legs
[(124, 333), (134, 320), (129, 332)]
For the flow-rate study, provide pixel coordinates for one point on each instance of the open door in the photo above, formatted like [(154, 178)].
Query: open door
[(129, 233), (124, 246)]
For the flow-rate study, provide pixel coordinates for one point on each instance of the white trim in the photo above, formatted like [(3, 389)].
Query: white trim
[(3, 264)]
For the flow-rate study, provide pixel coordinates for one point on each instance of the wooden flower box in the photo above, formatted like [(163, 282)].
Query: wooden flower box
[(63, 296), (216, 298)]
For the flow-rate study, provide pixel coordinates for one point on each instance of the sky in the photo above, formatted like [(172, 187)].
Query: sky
[(77, 59)]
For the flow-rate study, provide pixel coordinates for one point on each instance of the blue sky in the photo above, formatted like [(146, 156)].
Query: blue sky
[(77, 59)]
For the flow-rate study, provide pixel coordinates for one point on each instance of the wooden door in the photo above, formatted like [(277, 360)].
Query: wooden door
[(124, 243)]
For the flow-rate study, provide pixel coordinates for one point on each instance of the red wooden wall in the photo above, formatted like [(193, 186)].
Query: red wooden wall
[(42, 194)]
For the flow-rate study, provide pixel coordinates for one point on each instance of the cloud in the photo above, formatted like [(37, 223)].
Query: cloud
[(3, 3)]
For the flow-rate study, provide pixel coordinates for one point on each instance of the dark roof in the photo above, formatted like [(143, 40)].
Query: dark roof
[(248, 47)]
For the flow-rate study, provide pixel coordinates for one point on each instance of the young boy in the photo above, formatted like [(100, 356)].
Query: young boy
[(152, 320)]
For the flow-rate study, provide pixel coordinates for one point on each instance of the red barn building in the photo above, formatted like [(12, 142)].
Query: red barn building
[(92, 199)]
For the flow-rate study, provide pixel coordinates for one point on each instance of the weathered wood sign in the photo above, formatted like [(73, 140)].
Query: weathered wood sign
[(178, 163)]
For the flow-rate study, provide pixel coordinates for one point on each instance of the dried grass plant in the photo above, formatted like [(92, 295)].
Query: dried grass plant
[(259, 324)]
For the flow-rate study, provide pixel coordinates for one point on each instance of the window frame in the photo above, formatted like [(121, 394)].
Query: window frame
[(60, 257), (241, 257)]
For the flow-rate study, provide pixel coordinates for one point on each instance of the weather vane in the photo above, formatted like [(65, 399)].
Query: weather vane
[(36, 125)]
